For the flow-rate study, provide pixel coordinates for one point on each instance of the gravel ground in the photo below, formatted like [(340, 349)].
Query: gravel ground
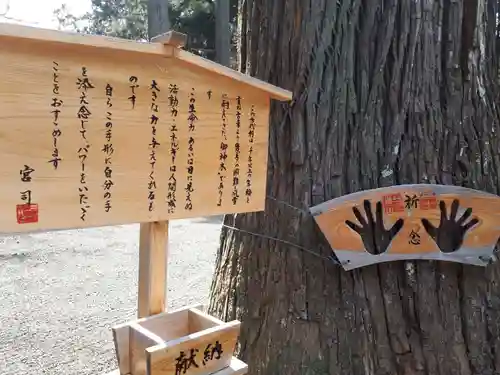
[(61, 292)]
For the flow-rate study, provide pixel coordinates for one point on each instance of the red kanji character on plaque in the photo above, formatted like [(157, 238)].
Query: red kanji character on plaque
[(428, 201), (27, 213), (393, 203)]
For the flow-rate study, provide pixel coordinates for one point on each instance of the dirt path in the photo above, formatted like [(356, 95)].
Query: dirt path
[(60, 292)]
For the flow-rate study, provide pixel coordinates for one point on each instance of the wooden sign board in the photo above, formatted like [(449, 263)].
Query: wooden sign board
[(99, 131), (437, 222)]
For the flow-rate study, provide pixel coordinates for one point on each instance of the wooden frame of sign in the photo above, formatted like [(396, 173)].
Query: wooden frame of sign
[(434, 222), (102, 131)]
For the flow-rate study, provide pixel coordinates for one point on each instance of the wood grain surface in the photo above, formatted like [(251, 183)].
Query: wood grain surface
[(198, 353), (41, 100), (414, 204), (236, 367)]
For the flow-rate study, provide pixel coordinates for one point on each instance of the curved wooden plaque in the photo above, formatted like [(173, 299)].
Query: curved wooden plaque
[(435, 222)]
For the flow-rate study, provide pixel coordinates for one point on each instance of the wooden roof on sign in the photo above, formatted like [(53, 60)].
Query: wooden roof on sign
[(102, 131), (48, 36)]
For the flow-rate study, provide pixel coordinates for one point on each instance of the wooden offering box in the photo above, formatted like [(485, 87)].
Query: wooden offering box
[(186, 341)]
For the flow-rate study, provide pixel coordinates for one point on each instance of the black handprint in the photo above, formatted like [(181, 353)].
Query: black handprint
[(450, 233), (373, 233)]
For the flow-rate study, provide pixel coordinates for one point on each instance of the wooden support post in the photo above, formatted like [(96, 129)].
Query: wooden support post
[(153, 254), (153, 261)]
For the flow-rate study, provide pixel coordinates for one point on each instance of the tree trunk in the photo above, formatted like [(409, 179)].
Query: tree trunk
[(386, 92), (222, 32), (158, 19)]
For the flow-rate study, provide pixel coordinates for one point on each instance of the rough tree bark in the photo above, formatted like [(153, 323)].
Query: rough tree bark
[(158, 19), (222, 32), (386, 92)]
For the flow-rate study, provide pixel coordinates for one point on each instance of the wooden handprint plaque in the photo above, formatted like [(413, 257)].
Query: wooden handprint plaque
[(434, 222)]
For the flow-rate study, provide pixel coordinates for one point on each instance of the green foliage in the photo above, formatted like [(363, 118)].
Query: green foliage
[(128, 19)]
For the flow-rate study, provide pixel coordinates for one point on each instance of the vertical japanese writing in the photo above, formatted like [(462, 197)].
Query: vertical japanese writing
[(108, 149), (414, 237), (184, 362), (223, 149), (26, 173), (174, 147), (251, 137), (26, 212), (236, 170), (154, 143), (55, 106), (192, 118), (133, 85), (83, 84), (411, 201), (212, 351), (26, 177), (26, 194)]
